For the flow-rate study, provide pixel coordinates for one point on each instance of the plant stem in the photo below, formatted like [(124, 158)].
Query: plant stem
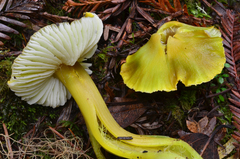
[(95, 113)]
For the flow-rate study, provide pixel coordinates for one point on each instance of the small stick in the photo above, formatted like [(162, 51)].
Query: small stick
[(8, 143), (73, 135), (213, 134), (216, 94), (209, 5), (61, 136)]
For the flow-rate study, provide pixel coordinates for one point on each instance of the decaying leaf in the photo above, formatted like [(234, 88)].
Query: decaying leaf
[(202, 126), (205, 136), (126, 114), (137, 13), (227, 148), (192, 126), (198, 142), (231, 40)]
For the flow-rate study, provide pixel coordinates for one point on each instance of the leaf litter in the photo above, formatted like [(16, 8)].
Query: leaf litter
[(143, 113)]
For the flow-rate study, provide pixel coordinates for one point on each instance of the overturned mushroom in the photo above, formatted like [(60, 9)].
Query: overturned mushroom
[(51, 68), (176, 52), (49, 49)]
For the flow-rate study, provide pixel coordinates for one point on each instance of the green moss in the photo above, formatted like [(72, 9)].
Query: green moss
[(99, 62), (180, 102), (196, 9), (187, 99), (5, 74), (18, 116)]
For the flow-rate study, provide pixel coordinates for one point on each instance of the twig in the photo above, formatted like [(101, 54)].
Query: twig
[(73, 134), (51, 16), (9, 54), (61, 136), (213, 134), (8, 143), (209, 5), (216, 94)]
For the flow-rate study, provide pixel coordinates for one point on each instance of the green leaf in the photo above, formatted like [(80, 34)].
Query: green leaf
[(227, 65), (223, 89), (225, 75), (218, 90), (221, 98), (212, 84), (102, 56), (220, 80)]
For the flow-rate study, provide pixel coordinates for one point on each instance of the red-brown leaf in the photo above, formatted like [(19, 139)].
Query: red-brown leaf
[(236, 119), (169, 6), (236, 137), (17, 15), (7, 29), (185, 10), (146, 16), (236, 125), (162, 5), (4, 36), (118, 1), (235, 111), (177, 5), (12, 21), (234, 102), (1, 43)]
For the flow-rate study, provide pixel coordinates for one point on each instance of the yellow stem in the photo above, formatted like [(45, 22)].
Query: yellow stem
[(93, 108)]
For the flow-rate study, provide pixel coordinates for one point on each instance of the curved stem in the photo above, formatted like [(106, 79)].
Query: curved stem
[(93, 108), (96, 146)]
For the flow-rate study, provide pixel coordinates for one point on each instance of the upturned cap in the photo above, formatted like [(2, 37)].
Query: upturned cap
[(176, 52)]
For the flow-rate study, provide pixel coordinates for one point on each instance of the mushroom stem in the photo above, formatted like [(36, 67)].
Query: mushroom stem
[(105, 129)]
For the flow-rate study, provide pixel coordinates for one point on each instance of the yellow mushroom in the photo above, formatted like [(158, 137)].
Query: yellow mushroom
[(176, 52), (51, 69)]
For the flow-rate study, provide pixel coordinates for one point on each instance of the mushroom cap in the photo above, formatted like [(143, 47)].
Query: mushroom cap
[(176, 52), (32, 71)]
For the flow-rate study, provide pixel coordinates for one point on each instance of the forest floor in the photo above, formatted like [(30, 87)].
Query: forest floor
[(206, 111)]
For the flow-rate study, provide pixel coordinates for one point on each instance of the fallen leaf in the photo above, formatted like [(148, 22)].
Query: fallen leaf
[(198, 141), (202, 124), (125, 115), (227, 149), (151, 126), (192, 126), (208, 129), (220, 135)]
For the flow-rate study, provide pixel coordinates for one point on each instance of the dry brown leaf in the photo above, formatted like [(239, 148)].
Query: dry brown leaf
[(4, 36), (192, 126), (202, 124), (210, 126), (125, 115), (9, 12)]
